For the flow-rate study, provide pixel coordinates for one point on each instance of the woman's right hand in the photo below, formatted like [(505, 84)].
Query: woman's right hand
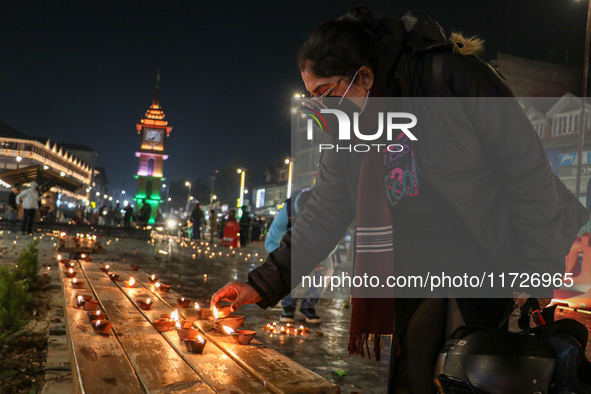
[(238, 293)]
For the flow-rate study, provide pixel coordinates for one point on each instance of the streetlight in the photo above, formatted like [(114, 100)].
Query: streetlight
[(582, 116), (188, 184), (242, 173), (289, 162)]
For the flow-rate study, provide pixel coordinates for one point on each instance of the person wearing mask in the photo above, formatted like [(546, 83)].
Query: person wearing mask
[(30, 200), (12, 208), (474, 191)]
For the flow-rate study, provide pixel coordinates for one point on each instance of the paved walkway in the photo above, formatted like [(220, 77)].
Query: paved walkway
[(324, 351)]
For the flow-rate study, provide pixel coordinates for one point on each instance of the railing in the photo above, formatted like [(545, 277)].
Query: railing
[(104, 231)]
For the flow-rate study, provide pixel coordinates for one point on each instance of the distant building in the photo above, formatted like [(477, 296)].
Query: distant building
[(556, 121), (24, 159), (269, 197)]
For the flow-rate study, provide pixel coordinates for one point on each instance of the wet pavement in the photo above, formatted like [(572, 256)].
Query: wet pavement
[(197, 276)]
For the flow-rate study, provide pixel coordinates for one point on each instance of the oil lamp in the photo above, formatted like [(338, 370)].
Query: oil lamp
[(130, 283)]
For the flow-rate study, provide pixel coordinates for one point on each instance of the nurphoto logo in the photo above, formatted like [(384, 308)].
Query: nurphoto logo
[(392, 127)]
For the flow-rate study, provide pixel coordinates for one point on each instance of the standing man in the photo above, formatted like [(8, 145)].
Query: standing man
[(213, 224), (196, 217), (244, 227), (30, 199), (13, 205), (145, 213), (128, 215)]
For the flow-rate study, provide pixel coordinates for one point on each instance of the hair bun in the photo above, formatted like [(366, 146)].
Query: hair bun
[(361, 16)]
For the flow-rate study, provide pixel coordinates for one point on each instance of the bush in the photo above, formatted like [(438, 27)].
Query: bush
[(13, 299), (28, 264)]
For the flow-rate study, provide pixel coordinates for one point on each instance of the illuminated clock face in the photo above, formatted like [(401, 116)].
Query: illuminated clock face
[(154, 137)]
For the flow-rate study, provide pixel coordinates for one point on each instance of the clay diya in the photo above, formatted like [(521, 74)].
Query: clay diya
[(70, 273), (129, 283), (186, 323), (135, 267), (105, 269), (88, 258), (114, 277), (195, 345), (163, 288), (186, 333), (83, 297), (65, 261), (165, 316), (183, 302), (162, 325), (98, 315), (244, 337), (198, 310), (91, 305), (153, 279), (101, 326), (145, 305), (77, 284), (206, 313), (233, 322)]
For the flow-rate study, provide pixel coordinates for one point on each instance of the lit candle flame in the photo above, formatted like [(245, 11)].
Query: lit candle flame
[(216, 314), (98, 322), (183, 299), (107, 267), (228, 330), (48, 268), (71, 271), (197, 306), (75, 280), (148, 301), (98, 312), (131, 282), (200, 339), (301, 327), (83, 255), (178, 325), (157, 284), (175, 315), (153, 277), (80, 299), (59, 256)]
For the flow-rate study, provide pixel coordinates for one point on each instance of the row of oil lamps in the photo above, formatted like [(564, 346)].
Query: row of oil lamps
[(193, 340)]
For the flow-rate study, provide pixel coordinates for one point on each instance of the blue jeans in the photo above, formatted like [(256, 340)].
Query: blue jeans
[(311, 296), (28, 217)]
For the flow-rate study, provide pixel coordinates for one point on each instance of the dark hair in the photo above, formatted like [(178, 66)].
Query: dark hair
[(341, 47)]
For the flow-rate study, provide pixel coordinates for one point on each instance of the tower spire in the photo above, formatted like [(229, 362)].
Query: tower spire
[(156, 101)]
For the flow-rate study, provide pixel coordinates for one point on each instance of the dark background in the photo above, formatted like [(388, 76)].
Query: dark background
[(84, 71)]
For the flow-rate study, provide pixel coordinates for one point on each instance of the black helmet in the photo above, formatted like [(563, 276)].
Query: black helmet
[(548, 359)]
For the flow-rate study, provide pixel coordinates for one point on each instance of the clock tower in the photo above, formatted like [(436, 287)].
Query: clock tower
[(153, 131)]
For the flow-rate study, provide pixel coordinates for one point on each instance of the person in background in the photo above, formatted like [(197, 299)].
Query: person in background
[(30, 200), (145, 213), (12, 209), (117, 215), (128, 216), (222, 226), (196, 217), (244, 228), (213, 224)]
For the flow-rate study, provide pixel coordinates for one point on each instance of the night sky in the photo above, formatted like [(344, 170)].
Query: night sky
[(84, 71)]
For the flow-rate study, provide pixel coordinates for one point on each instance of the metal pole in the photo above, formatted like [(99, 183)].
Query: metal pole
[(584, 97)]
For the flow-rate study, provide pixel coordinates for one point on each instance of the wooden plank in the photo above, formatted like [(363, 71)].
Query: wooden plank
[(98, 362), (158, 366), (221, 372), (277, 372)]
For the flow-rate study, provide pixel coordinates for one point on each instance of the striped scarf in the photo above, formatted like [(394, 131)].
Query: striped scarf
[(374, 256)]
